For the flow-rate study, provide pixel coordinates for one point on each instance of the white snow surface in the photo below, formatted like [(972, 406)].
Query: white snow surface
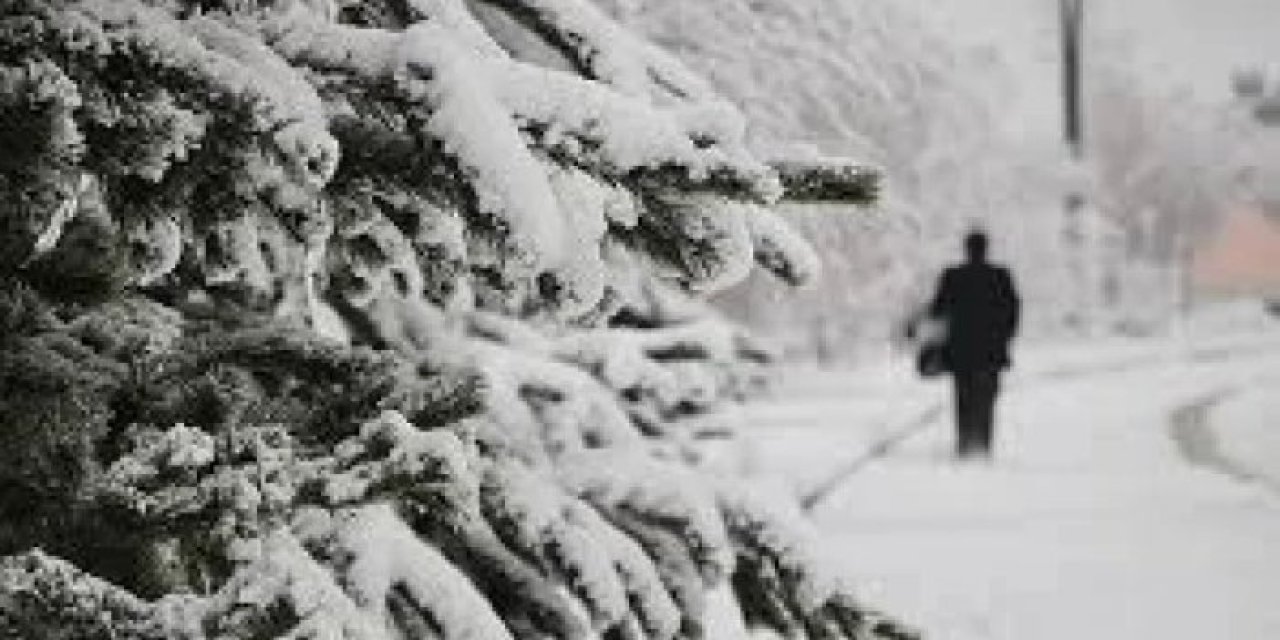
[(1092, 522)]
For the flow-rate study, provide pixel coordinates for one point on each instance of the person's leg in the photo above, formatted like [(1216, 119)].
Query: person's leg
[(964, 409), (986, 388)]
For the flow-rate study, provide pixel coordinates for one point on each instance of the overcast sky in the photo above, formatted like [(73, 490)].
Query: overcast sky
[(1186, 43), (1197, 41)]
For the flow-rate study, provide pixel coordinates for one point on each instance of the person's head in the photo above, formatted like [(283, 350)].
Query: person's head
[(975, 246)]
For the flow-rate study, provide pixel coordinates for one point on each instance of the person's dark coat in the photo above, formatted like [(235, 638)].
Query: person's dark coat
[(980, 306)]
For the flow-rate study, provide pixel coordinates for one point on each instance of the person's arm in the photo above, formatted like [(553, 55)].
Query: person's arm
[(943, 297), (1012, 304)]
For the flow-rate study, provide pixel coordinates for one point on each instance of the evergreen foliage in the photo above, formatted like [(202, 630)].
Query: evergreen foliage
[(337, 319)]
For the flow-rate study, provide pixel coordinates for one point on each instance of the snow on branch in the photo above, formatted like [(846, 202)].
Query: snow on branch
[(826, 181), (430, 68), (405, 582), (656, 494), (578, 123), (601, 49), (230, 64), (534, 517), (591, 125), (282, 591), (41, 596), (780, 580), (780, 249)]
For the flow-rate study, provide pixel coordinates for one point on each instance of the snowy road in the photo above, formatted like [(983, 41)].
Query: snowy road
[(1113, 511)]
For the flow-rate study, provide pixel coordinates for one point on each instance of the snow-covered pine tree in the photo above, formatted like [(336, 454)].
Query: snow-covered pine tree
[(339, 319)]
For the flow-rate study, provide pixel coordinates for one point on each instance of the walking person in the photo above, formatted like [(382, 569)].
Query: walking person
[(979, 305)]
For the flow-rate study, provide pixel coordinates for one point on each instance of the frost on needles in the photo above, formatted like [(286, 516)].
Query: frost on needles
[(338, 319)]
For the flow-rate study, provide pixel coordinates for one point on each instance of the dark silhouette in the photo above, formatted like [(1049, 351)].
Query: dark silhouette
[(980, 307)]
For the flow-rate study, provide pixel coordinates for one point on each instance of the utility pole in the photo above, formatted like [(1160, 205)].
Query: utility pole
[(1076, 233), (1072, 16)]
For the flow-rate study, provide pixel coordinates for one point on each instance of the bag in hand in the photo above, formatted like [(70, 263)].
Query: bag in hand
[(931, 359)]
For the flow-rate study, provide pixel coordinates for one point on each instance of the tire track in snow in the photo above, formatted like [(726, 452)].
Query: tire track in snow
[(1190, 428), (878, 449)]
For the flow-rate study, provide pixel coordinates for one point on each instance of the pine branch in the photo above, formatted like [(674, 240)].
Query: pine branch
[(827, 181), (600, 49)]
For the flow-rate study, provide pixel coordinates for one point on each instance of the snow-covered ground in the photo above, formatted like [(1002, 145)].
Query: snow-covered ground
[(1129, 499)]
